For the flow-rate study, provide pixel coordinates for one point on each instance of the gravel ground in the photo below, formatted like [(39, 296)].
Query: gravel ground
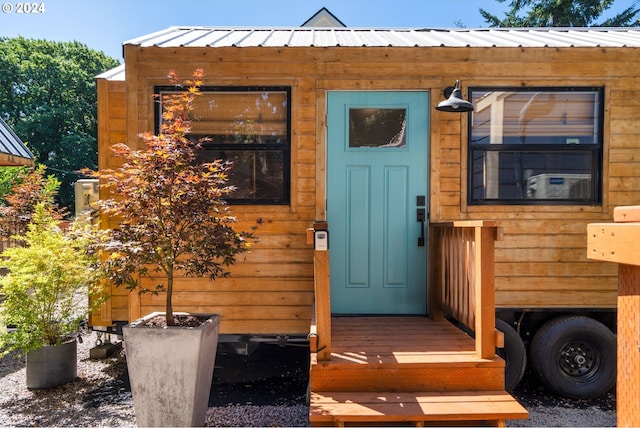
[(548, 410), (265, 389)]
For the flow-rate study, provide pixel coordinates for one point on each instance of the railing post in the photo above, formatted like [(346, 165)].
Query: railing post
[(484, 291), (322, 298)]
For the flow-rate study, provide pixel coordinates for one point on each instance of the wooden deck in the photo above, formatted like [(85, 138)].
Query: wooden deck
[(386, 370)]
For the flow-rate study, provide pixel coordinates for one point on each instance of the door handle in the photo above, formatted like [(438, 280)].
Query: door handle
[(421, 218)]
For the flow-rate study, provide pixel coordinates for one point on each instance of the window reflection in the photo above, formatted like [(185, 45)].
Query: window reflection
[(540, 117), (535, 145), (250, 127)]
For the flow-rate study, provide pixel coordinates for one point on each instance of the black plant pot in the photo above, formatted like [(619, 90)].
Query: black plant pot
[(51, 366)]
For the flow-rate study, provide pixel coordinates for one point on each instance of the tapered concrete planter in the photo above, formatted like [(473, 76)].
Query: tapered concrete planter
[(170, 370), (51, 366)]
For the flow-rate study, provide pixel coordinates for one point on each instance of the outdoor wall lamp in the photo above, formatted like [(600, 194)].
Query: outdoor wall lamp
[(454, 103)]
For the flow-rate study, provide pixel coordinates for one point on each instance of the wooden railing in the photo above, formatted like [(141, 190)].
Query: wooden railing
[(7, 240), (461, 279), (461, 266), (8, 237)]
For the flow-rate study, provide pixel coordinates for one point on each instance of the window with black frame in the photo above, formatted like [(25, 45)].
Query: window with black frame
[(249, 126), (536, 146)]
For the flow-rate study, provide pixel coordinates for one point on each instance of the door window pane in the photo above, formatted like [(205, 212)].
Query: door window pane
[(377, 127)]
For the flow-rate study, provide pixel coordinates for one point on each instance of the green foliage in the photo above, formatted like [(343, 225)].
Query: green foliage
[(45, 290), (174, 218), (48, 96), (561, 13)]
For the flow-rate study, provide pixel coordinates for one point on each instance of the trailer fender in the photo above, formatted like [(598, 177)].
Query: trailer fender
[(575, 357)]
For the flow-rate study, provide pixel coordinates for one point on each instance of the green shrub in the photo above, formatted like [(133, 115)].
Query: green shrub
[(45, 292)]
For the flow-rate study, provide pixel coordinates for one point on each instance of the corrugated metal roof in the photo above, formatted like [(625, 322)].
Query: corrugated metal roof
[(387, 37), (13, 152)]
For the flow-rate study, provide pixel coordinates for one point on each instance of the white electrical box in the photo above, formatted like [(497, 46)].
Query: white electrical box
[(87, 194), (321, 240)]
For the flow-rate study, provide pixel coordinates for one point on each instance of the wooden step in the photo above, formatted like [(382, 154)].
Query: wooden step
[(409, 372), (473, 408)]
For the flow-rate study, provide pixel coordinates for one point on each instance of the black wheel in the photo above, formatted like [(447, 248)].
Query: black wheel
[(575, 357), (514, 354)]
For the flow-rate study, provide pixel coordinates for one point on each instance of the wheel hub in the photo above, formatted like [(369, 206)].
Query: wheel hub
[(578, 359)]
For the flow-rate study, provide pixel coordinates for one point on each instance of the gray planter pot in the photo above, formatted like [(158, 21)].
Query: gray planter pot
[(51, 366), (170, 370)]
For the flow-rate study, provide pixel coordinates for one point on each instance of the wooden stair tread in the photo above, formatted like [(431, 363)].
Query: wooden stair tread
[(414, 407), (404, 358), (384, 336)]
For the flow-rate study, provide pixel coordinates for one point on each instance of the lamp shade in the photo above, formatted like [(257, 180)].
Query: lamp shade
[(455, 103)]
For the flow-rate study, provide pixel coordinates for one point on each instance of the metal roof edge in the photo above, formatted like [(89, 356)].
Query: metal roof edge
[(255, 36), (116, 73), (141, 39)]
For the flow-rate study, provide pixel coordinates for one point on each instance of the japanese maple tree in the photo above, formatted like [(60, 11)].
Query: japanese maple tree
[(173, 219), (33, 187)]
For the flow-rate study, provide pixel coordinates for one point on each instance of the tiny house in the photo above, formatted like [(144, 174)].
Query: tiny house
[(338, 127)]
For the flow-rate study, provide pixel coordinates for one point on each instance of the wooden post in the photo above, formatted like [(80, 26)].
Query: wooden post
[(628, 380), (436, 273), (619, 242), (322, 298), (484, 292)]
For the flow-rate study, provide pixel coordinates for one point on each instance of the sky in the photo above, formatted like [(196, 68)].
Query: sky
[(104, 24)]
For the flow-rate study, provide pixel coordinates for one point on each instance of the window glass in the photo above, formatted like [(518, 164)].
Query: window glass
[(257, 174), (250, 127), (533, 146)]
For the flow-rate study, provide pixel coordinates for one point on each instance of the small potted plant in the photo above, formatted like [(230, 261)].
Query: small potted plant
[(44, 298), (173, 222)]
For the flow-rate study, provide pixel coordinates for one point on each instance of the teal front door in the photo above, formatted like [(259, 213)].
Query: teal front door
[(377, 169)]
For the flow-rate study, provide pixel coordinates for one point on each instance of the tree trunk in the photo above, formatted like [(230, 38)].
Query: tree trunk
[(169, 304)]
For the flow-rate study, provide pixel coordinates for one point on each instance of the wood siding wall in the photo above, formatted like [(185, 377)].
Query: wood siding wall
[(541, 261), (111, 130)]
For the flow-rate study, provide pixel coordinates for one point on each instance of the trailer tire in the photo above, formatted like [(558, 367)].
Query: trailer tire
[(514, 354), (575, 357)]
